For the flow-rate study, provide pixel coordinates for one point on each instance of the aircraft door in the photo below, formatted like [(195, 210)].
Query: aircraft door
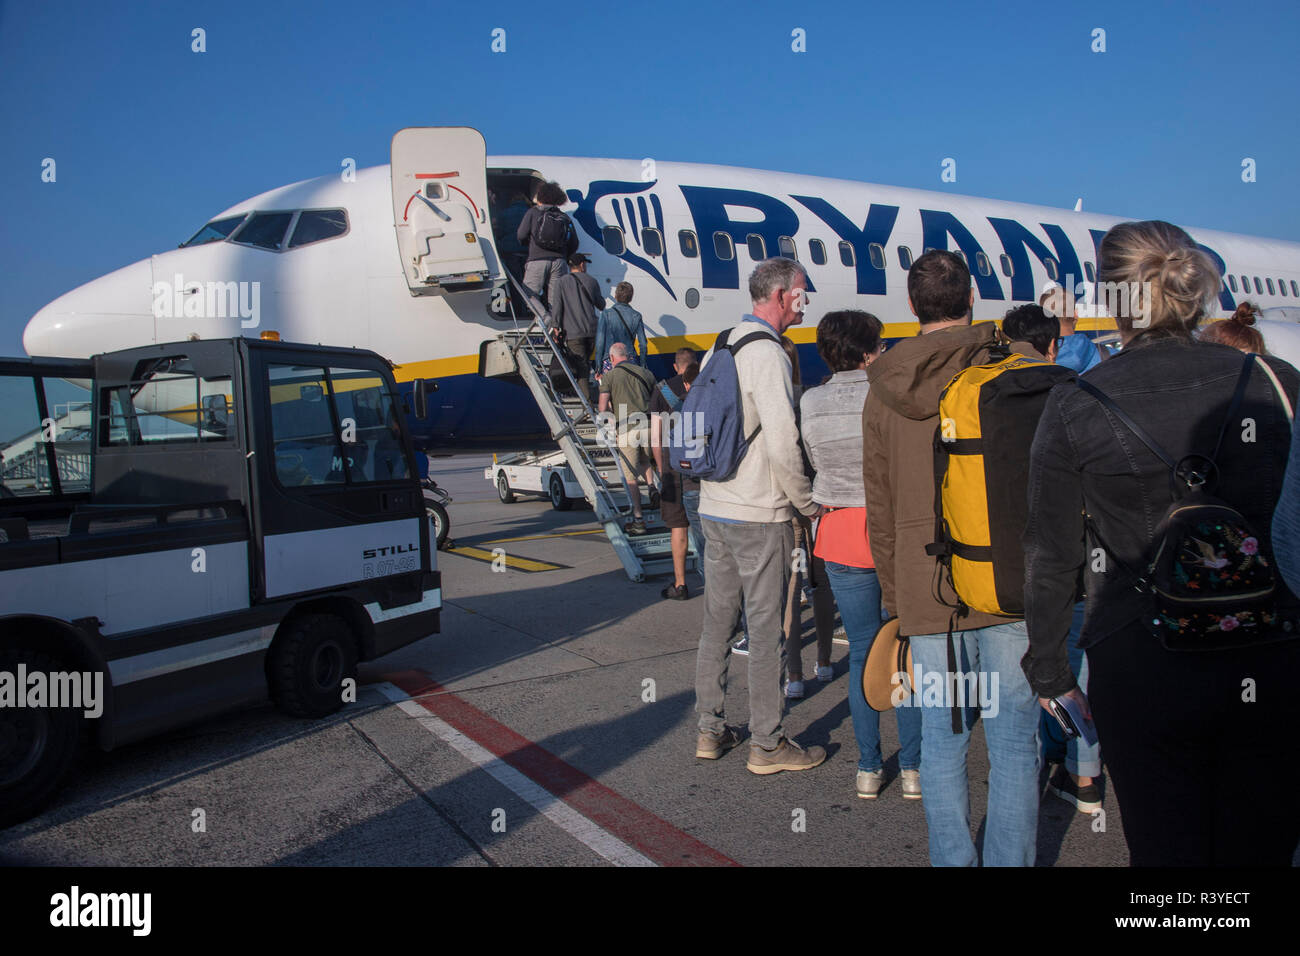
[(440, 209)]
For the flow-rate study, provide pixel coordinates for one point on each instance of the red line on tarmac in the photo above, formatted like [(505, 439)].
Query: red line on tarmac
[(656, 838)]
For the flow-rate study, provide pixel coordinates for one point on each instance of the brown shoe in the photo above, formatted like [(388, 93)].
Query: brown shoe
[(711, 747), (785, 756)]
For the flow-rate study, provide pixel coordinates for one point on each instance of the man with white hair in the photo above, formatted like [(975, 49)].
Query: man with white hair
[(625, 389), (748, 532)]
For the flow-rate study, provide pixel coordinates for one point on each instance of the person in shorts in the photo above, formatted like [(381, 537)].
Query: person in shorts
[(674, 487), (625, 392)]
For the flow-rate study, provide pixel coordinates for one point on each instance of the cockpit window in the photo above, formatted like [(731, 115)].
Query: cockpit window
[(264, 229), (215, 231), (317, 224)]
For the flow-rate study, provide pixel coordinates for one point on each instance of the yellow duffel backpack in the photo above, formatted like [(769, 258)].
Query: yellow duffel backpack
[(987, 418)]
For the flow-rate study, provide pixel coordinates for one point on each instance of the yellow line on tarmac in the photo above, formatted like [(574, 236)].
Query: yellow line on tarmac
[(519, 564), (541, 537)]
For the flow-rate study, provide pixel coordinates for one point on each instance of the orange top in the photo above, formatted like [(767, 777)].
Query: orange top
[(842, 538)]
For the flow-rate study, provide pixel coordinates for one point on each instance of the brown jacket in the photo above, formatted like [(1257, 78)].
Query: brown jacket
[(898, 426)]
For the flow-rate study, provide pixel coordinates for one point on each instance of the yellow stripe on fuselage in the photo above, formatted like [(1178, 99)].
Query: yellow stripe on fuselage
[(668, 344)]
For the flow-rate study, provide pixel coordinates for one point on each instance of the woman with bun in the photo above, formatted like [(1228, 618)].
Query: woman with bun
[(1238, 331), (1200, 745)]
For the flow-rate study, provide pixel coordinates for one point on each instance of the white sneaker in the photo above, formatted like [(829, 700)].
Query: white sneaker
[(911, 784), (825, 674), (794, 689), (840, 636), (868, 783)]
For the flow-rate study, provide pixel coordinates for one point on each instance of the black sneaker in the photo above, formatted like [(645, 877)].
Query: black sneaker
[(636, 527), (1086, 799), (675, 592), (741, 646)]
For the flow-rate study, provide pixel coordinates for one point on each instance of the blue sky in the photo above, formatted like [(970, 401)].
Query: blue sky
[(151, 139)]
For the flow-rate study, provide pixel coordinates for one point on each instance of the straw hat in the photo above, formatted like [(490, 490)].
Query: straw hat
[(891, 655)]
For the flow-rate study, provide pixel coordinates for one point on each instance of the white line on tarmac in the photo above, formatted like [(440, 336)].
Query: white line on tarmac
[(582, 829)]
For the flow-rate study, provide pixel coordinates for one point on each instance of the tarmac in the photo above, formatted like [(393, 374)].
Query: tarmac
[(549, 723)]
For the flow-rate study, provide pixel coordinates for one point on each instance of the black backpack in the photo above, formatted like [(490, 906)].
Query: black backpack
[(1208, 583), (552, 230)]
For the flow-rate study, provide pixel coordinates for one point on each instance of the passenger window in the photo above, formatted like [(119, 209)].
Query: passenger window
[(1232, 283), (905, 257), (1281, 286), (315, 225), (652, 241), (723, 247), (612, 237), (1295, 290), (689, 244), (264, 230), (982, 263), (876, 252), (1053, 272), (757, 248), (374, 452), (817, 251), (215, 231), (846, 254), (1259, 288), (1270, 286), (1089, 272), (1245, 284), (1008, 269), (786, 246), (302, 427)]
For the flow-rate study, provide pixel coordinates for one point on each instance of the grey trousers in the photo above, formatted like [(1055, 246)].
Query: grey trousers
[(752, 559), (541, 275)]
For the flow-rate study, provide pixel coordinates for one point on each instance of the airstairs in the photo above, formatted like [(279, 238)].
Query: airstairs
[(533, 355)]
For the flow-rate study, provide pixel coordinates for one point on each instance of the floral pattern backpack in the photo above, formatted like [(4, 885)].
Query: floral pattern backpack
[(1209, 584)]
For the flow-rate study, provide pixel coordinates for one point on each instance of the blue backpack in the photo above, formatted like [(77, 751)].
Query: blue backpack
[(711, 441)]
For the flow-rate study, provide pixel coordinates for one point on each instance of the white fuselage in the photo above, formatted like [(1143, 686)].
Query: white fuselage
[(853, 238)]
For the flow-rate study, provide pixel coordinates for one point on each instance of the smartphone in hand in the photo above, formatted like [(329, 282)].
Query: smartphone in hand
[(1070, 717)]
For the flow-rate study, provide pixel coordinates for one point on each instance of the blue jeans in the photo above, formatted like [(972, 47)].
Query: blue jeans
[(1081, 759), (857, 595), (1010, 713)]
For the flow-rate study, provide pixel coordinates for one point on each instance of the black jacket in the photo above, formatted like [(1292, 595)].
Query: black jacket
[(525, 235), (1084, 458)]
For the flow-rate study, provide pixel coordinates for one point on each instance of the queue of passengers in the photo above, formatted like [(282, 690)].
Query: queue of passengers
[(1194, 726), (1194, 708)]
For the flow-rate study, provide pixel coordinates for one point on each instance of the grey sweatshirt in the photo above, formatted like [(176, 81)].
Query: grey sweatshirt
[(831, 419), (575, 312)]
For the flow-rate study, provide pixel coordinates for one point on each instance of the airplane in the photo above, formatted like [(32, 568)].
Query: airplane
[(408, 260)]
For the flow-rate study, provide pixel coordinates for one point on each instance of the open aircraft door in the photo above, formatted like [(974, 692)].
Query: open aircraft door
[(440, 209)]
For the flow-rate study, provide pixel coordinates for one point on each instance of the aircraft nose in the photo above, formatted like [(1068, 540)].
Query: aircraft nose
[(113, 311)]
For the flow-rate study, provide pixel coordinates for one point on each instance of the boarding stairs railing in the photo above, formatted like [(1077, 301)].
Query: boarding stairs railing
[(537, 358)]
